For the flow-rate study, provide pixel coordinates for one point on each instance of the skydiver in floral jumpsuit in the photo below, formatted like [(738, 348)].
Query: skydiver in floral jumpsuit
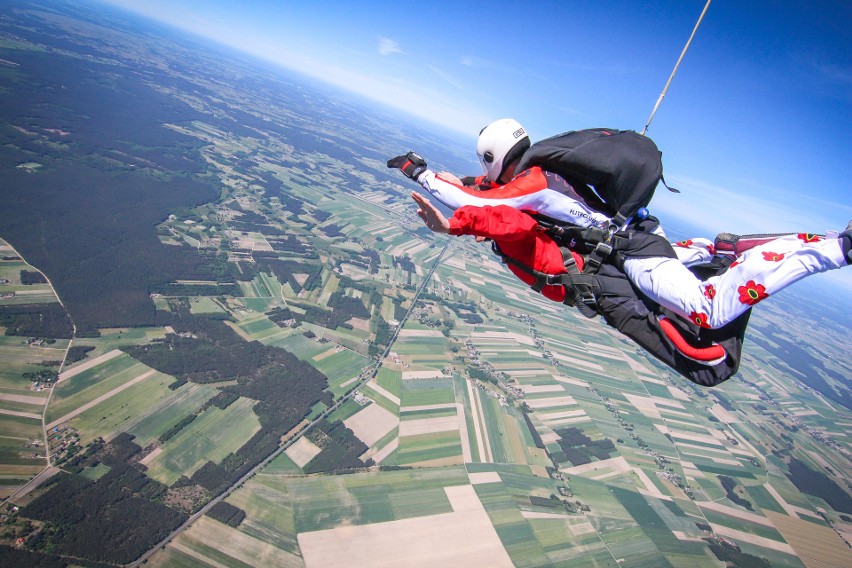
[(763, 266)]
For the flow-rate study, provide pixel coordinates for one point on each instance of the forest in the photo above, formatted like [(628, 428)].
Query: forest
[(805, 364), (114, 519), (819, 484), (729, 485), (285, 271), (217, 353), (77, 510), (226, 513), (340, 449), (733, 556), (32, 277), (342, 308), (579, 449), (97, 244), (15, 557), (36, 320)]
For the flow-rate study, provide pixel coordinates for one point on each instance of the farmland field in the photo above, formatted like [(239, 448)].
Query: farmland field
[(20, 357), (422, 392), (145, 410), (205, 438), (111, 339), (88, 385), (206, 306)]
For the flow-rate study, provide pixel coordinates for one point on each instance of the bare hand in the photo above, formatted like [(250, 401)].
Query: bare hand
[(433, 218)]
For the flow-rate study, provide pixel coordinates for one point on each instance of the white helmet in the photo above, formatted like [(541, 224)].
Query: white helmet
[(499, 144)]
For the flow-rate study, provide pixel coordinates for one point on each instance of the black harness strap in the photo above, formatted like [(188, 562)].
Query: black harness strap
[(597, 257), (601, 248), (580, 287)]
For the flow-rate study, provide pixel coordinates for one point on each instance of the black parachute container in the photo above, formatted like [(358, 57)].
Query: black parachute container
[(614, 171)]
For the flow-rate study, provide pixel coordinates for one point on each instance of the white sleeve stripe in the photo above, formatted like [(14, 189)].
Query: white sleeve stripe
[(546, 201)]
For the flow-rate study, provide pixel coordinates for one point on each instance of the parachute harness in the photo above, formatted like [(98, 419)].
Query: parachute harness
[(581, 287), (598, 246)]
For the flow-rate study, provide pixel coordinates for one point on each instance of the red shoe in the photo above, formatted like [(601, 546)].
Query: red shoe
[(731, 244)]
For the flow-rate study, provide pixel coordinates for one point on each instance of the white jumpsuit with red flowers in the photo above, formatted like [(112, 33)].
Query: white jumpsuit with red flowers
[(755, 275)]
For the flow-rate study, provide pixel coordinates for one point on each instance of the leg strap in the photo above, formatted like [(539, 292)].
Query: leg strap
[(710, 355)]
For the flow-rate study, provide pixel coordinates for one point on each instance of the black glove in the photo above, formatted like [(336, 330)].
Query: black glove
[(412, 165)]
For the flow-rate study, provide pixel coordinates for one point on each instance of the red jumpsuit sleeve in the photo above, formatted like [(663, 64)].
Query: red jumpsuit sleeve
[(517, 233), (499, 222)]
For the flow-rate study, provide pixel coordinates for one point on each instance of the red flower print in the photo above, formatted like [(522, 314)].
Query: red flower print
[(752, 293), (709, 291), (684, 244), (711, 249), (809, 237), (773, 256), (699, 319)]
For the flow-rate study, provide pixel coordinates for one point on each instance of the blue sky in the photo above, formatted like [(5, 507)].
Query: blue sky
[(754, 129)]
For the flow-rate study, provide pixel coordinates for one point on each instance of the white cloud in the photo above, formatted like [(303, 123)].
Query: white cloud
[(714, 208), (388, 46), (446, 77)]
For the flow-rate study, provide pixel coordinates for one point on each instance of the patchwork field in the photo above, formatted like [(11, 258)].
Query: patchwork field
[(91, 380), (146, 410), (466, 536), (477, 423), (516, 441)]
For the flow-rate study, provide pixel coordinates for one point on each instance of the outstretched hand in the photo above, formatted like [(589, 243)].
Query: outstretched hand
[(433, 218)]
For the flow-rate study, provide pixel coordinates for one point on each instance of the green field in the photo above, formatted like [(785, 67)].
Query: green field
[(653, 524), (20, 427), (288, 505), (282, 465), (90, 384), (203, 305), (211, 543), (18, 358), (146, 410), (743, 525), (259, 328), (18, 451), (301, 346), (423, 392), (18, 462), (390, 380), (210, 437), (344, 411), (434, 348), (405, 415), (340, 367), (428, 447), (513, 529)]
